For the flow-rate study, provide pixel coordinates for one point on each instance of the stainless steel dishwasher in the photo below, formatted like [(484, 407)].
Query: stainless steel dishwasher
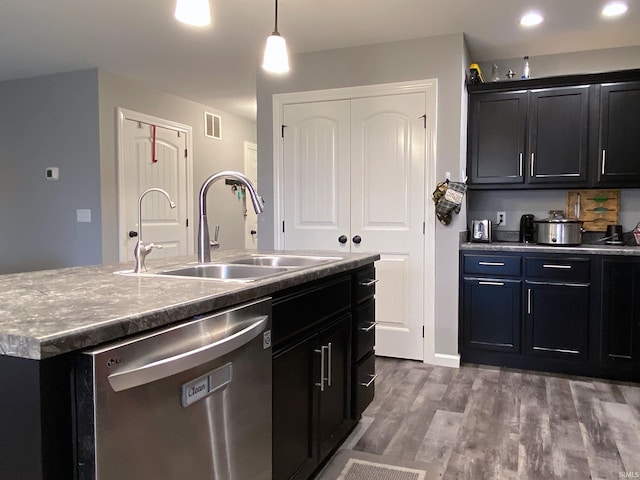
[(190, 401)]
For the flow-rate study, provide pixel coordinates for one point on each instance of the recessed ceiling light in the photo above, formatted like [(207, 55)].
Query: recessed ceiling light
[(531, 19), (613, 9)]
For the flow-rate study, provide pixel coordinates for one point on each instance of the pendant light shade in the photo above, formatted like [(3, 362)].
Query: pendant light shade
[(193, 12), (276, 58)]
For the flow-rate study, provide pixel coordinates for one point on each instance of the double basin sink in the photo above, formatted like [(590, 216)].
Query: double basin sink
[(245, 269)]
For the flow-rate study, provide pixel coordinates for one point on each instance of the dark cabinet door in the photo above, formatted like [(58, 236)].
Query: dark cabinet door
[(620, 327), (295, 372), (497, 133), (556, 320), (619, 140), (558, 135), (491, 314), (334, 409)]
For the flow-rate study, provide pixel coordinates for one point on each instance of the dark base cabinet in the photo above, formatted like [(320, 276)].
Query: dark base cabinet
[(620, 328), (575, 314), (490, 313), (317, 380)]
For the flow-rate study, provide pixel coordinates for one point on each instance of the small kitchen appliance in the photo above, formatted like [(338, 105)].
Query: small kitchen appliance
[(481, 231), (527, 228), (558, 230), (614, 235)]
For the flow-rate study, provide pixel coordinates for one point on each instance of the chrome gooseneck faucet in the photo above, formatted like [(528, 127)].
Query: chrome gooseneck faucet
[(204, 244), (141, 251)]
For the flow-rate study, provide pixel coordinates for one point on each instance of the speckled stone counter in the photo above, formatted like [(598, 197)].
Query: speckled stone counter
[(584, 249), (51, 312)]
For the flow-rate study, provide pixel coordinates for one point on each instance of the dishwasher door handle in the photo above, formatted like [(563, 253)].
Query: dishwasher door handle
[(184, 361)]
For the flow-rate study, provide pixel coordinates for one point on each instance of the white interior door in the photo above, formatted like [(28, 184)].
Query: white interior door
[(250, 217), (138, 171), (356, 168), (387, 213), (316, 175)]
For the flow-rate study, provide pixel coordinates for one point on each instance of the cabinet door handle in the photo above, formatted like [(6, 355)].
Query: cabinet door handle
[(492, 264), (370, 327), (521, 163), (604, 160), (321, 384), (497, 284), (368, 283), (329, 361), (562, 267), (368, 384), (528, 301), (533, 159)]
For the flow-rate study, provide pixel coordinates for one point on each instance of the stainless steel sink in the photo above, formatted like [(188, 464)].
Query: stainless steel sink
[(289, 261), (223, 271), (244, 269)]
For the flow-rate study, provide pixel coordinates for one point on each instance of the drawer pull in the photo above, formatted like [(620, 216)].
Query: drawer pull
[(368, 283), (497, 284), (368, 384), (492, 264), (562, 267), (369, 328)]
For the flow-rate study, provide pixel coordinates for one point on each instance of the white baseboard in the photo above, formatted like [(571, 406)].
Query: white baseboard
[(445, 360)]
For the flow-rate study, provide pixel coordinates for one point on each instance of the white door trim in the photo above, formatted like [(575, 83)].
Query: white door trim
[(122, 115), (430, 88)]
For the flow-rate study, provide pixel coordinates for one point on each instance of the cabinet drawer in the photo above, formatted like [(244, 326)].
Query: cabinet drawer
[(492, 265), (364, 284), (301, 311), (568, 269), (365, 385), (365, 329)]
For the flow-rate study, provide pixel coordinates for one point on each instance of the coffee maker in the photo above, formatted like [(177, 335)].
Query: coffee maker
[(527, 228)]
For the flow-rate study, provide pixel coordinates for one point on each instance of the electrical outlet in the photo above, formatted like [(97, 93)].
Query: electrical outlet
[(501, 218)]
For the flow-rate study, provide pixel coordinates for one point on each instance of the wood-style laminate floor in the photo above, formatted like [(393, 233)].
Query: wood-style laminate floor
[(482, 422)]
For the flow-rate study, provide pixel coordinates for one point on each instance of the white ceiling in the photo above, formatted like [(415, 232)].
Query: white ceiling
[(216, 65)]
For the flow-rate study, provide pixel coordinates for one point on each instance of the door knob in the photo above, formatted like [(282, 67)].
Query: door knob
[(342, 239), (133, 233), (357, 239)]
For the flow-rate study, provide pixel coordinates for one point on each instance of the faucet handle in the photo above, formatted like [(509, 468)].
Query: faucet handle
[(215, 243)]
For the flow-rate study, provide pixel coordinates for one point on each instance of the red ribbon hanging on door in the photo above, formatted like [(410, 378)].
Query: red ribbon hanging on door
[(153, 144)]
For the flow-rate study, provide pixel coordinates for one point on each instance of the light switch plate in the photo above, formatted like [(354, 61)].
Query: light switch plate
[(83, 215)]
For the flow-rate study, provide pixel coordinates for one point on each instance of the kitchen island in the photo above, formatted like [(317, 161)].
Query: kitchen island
[(47, 317), (568, 309)]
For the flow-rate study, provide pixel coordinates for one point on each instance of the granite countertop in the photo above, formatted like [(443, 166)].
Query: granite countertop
[(584, 249), (51, 312)]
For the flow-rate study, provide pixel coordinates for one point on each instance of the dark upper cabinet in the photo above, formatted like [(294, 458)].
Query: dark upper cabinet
[(619, 135), (561, 132), (497, 133), (536, 137), (620, 327), (558, 135)]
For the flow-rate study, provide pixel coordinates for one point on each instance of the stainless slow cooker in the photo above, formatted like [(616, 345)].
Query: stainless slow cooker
[(557, 230)]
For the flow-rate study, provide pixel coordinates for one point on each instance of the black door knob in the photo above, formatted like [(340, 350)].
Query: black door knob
[(357, 239), (133, 233), (253, 232), (342, 239)]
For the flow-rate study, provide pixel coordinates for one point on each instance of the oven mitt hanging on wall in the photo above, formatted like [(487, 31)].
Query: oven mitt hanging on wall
[(451, 201)]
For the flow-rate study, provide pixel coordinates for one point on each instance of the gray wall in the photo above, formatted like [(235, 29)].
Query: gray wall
[(515, 203), (444, 58), (49, 121), (69, 121), (209, 155)]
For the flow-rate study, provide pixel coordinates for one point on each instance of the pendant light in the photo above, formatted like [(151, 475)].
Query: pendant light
[(276, 59), (193, 12)]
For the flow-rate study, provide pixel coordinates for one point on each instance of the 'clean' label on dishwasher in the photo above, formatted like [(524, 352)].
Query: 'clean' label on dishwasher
[(202, 386)]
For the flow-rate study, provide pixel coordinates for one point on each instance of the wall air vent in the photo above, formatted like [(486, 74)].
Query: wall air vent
[(212, 126)]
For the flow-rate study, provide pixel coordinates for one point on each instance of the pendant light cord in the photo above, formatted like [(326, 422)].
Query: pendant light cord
[(275, 32)]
